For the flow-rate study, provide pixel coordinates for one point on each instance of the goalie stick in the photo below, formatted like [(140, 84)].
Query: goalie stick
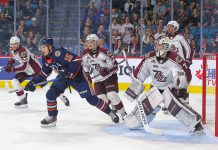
[(38, 84), (146, 126)]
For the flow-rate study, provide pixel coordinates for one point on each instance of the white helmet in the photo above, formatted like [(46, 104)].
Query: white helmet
[(175, 24), (93, 37), (162, 46), (15, 39)]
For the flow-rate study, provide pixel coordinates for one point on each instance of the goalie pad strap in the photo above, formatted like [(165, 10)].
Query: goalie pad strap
[(131, 93)]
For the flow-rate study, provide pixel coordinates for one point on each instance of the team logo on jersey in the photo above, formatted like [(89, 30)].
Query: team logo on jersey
[(57, 53), (159, 76)]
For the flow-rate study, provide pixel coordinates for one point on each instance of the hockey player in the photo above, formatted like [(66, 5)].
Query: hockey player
[(102, 64), (181, 46), (28, 66), (168, 74), (70, 74)]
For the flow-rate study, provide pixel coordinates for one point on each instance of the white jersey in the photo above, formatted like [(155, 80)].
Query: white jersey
[(28, 63), (161, 73), (92, 63), (182, 47)]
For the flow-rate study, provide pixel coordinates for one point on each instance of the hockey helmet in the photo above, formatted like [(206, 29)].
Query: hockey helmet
[(175, 24), (93, 37), (14, 40), (46, 41), (162, 46)]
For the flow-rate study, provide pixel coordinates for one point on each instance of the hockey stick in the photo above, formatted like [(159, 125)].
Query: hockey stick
[(146, 126), (38, 84), (12, 91), (44, 82)]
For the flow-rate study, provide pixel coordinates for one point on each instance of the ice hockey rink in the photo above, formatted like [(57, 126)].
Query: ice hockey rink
[(83, 127)]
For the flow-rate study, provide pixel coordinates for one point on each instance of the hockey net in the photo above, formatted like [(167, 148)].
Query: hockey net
[(210, 92)]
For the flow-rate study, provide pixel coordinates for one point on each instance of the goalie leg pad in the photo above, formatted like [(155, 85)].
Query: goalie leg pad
[(133, 120), (184, 113), (151, 99), (135, 89)]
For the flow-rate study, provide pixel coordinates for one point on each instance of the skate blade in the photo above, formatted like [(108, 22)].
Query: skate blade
[(51, 125), (21, 106), (199, 133), (165, 112)]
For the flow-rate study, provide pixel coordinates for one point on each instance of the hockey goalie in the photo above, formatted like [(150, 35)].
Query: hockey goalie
[(168, 74)]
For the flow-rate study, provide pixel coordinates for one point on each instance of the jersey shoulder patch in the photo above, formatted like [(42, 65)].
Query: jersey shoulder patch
[(175, 57), (57, 53)]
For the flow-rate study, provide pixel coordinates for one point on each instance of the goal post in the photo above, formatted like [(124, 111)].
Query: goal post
[(210, 91)]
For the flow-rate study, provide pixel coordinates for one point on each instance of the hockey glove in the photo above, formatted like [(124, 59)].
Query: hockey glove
[(9, 68), (30, 87), (104, 71), (64, 74), (11, 62)]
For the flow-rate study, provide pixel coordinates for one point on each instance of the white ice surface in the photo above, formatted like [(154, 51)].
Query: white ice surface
[(83, 127)]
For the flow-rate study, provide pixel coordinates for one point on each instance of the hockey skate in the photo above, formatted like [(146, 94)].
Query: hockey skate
[(199, 130), (49, 121), (165, 111), (22, 103), (65, 100), (123, 115), (114, 116)]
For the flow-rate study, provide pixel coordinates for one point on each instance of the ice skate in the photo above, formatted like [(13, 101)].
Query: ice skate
[(22, 103), (199, 130), (49, 121), (123, 115), (114, 116), (65, 100), (165, 111)]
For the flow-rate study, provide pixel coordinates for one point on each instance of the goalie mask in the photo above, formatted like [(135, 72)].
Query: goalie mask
[(92, 42), (162, 46)]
